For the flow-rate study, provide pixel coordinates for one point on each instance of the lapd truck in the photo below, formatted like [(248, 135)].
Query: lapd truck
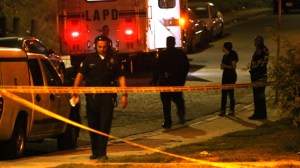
[(137, 27), (19, 123)]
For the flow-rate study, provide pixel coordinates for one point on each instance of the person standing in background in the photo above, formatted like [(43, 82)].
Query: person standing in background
[(258, 73), (171, 69), (229, 76), (105, 32)]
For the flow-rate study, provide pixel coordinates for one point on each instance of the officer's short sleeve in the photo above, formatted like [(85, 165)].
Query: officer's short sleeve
[(120, 67), (83, 67)]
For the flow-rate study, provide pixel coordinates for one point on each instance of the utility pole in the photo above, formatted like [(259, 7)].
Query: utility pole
[(278, 42), (278, 27)]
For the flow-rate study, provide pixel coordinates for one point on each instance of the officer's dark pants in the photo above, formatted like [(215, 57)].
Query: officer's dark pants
[(229, 92), (228, 79), (259, 97), (177, 98), (99, 114), (259, 102)]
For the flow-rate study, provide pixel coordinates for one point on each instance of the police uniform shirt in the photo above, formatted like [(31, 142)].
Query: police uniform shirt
[(175, 64), (100, 72)]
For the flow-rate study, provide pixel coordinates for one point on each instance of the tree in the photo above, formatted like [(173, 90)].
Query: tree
[(37, 18)]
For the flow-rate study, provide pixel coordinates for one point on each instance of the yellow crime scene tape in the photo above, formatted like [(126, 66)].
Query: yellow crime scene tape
[(8, 91), (94, 90)]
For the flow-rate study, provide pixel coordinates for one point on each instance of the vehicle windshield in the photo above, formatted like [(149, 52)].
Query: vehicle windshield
[(200, 12)]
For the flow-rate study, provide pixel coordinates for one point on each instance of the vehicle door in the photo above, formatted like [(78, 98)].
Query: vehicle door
[(199, 26), (59, 102), (215, 19), (41, 122), (164, 17)]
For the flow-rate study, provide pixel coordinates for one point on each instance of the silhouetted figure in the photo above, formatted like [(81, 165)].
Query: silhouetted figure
[(171, 69), (258, 73), (228, 65)]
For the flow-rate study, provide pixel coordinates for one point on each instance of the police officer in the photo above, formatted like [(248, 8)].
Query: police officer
[(105, 32), (100, 69), (111, 51), (171, 69), (258, 73), (229, 76)]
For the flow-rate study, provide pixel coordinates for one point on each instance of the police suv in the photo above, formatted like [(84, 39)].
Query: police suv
[(19, 123)]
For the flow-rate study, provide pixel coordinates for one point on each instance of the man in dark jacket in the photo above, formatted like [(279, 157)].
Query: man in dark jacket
[(258, 73), (171, 69)]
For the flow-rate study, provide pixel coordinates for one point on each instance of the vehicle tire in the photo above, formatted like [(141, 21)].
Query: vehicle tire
[(15, 147)]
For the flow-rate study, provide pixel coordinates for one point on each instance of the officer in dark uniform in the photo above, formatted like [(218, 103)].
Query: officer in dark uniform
[(100, 69), (171, 69), (229, 76), (258, 73), (111, 51)]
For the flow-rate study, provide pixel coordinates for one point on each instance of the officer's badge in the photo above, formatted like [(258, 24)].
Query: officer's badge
[(91, 65)]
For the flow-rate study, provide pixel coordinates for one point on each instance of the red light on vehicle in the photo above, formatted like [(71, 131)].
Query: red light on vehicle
[(75, 34), (128, 31)]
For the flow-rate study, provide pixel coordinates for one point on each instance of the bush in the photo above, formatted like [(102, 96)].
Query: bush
[(285, 71)]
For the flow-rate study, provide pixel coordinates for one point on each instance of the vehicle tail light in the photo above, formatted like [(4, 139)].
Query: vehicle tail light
[(130, 33), (128, 30), (75, 34), (182, 22)]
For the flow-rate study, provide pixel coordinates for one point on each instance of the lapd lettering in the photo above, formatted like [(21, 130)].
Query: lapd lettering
[(103, 15)]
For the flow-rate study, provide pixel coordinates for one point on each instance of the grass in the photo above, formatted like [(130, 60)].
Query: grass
[(272, 141), (277, 141)]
